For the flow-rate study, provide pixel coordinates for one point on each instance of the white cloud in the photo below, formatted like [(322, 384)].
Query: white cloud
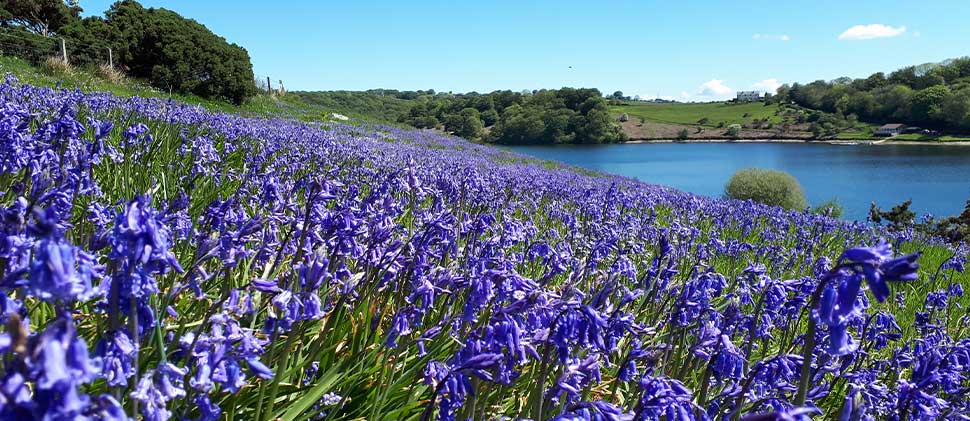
[(875, 30), (684, 94), (714, 87), (767, 85), (771, 37)]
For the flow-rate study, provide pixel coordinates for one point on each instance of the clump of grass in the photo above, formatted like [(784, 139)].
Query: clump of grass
[(109, 73), (55, 65)]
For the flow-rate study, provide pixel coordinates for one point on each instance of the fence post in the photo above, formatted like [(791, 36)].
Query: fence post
[(269, 87), (64, 50), (111, 59)]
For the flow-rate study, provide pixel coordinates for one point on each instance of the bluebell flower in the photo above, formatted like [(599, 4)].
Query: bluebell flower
[(794, 414)]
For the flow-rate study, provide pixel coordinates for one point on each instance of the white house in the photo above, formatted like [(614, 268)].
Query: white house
[(745, 96), (890, 129)]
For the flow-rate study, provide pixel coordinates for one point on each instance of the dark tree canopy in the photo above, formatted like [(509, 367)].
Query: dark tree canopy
[(930, 96), (179, 54), (42, 17), (566, 115), (171, 52)]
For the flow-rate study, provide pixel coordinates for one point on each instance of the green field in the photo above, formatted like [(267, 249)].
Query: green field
[(928, 138), (691, 113)]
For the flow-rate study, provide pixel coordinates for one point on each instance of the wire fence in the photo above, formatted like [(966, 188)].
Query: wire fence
[(265, 83), (38, 48)]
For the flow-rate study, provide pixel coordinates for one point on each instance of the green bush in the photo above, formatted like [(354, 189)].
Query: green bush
[(831, 208), (776, 188), (734, 131), (682, 134)]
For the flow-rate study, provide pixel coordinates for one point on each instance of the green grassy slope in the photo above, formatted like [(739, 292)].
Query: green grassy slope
[(304, 106), (691, 113), (356, 104)]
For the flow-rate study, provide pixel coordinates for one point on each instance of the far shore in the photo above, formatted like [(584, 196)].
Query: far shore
[(887, 141)]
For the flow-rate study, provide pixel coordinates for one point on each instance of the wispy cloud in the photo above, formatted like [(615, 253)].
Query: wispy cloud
[(872, 31), (767, 85), (771, 37), (714, 87)]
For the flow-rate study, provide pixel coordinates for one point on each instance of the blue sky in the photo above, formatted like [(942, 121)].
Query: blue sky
[(686, 50)]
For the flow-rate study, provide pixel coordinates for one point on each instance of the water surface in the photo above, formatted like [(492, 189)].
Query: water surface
[(935, 177)]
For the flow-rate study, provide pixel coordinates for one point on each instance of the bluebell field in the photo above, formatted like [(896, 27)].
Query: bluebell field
[(159, 262)]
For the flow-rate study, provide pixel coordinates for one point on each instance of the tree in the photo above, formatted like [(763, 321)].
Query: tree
[(467, 123), (956, 109), (179, 54), (617, 95), (517, 126), (89, 39), (489, 117), (862, 104), (928, 104), (42, 17)]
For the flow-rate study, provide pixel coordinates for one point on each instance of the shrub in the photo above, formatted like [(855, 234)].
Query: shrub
[(831, 208), (682, 134), (703, 121), (771, 187), (734, 130), (624, 117)]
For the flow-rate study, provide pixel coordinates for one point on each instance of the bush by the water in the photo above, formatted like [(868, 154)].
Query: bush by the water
[(770, 187)]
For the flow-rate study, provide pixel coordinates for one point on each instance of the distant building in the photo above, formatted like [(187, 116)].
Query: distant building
[(746, 96), (890, 129)]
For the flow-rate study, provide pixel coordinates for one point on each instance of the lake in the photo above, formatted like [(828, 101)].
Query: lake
[(936, 178)]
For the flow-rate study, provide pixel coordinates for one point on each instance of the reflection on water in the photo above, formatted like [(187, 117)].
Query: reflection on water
[(936, 178)]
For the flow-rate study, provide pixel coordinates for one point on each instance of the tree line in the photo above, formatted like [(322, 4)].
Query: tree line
[(548, 116), (169, 51), (935, 95)]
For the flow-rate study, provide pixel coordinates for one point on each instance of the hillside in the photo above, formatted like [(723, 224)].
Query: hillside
[(712, 120), (933, 97), (89, 79), (364, 105), (285, 270)]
